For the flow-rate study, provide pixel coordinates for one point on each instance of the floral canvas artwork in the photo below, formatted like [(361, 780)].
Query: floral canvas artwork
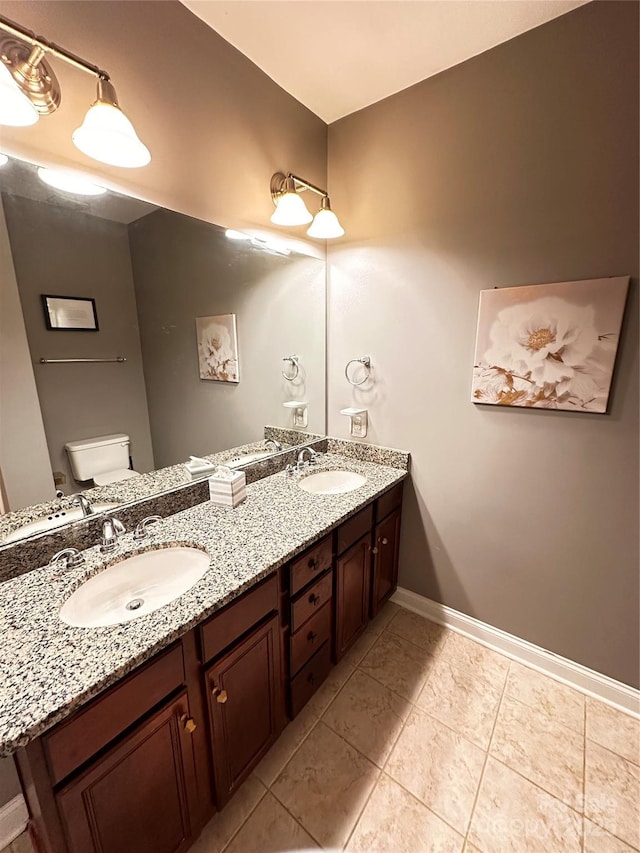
[(549, 346), (218, 348)]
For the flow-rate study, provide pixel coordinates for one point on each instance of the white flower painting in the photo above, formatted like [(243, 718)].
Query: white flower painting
[(549, 346), (218, 348)]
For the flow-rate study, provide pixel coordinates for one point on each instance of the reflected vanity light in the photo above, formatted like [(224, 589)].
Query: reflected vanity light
[(29, 88), (267, 244), (291, 209), (3, 160), (69, 182)]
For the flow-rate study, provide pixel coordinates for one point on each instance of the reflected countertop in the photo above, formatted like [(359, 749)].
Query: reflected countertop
[(48, 669)]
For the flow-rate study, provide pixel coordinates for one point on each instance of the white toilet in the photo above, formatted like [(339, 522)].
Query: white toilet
[(104, 459)]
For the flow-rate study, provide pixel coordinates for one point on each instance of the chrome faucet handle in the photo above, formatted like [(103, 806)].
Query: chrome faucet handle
[(291, 470), (112, 529), (141, 529), (71, 556)]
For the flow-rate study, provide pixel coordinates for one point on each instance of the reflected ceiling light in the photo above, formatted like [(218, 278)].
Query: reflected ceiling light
[(29, 88), (325, 225), (291, 209), (69, 182), (3, 159)]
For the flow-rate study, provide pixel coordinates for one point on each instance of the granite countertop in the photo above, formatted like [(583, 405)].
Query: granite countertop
[(48, 669)]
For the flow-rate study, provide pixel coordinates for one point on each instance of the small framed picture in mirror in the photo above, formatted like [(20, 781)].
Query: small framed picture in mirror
[(70, 313)]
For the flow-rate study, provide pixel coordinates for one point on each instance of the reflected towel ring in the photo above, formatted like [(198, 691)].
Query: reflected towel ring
[(365, 361), (295, 365)]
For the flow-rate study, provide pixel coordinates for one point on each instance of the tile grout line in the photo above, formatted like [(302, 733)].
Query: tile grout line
[(486, 758), (260, 799)]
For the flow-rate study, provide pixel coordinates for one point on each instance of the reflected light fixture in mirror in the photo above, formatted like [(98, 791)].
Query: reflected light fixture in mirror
[(291, 209), (29, 88), (3, 160), (69, 182)]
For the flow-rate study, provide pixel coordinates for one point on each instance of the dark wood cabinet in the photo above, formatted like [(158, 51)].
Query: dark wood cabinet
[(385, 560), (353, 574), (137, 796), (245, 706)]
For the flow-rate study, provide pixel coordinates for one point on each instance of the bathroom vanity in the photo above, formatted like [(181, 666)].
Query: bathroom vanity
[(179, 706)]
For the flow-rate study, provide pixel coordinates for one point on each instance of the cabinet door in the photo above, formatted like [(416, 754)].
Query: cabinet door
[(352, 594), (245, 704), (385, 563), (135, 799)]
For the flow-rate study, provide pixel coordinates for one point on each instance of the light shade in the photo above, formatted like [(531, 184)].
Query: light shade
[(69, 182), (290, 208), (325, 225), (16, 110), (107, 134)]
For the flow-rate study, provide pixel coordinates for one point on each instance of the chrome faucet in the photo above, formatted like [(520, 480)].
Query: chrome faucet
[(84, 504), (141, 529), (112, 530), (71, 556), (313, 457), (276, 444)]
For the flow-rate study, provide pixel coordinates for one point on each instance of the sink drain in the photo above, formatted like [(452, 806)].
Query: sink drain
[(134, 604)]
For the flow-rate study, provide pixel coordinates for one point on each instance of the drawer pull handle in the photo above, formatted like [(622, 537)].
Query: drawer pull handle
[(221, 695), (188, 724), (314, 564), (312, 637), (385, 541), (314, 599)]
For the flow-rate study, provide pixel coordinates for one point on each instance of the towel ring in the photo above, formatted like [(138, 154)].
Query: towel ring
[(365, 361), (295, 365)]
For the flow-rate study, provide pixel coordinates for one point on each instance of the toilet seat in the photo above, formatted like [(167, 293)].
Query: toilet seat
[(116, 476)]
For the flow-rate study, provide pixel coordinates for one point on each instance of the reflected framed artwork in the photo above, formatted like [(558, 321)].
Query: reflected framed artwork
[(70, 313), (218, 348), (550, 346)]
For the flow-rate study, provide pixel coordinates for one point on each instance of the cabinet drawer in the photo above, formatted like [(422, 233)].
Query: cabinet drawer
[(310, 677), (354, 528), (238, 617), (312, 563), (311, 601), (307, 641), (389, 501), (73, 742)]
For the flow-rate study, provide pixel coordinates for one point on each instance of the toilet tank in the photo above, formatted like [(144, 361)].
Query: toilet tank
[(91, 456)]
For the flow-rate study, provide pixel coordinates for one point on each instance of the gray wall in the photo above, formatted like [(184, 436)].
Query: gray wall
[(183, 269), (516, 167), (80, 255), (24, 460)]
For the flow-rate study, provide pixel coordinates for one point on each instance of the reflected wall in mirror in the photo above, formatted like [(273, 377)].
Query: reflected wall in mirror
[(151, 272)]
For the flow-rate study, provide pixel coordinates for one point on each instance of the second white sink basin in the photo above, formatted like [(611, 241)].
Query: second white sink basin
[(335, 482), (135, 586)]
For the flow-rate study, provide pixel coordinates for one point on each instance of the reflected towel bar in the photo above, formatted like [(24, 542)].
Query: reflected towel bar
[(118, 358)]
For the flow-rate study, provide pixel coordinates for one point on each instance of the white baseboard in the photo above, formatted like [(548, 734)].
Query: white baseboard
[(566, 671), (13, 820)]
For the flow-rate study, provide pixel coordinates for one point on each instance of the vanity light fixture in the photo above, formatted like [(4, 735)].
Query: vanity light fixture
[(69, 182), (291, 209), (29, 89)]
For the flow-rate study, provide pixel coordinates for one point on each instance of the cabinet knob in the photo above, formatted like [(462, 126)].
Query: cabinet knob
[(314, 565), (188, 723), (311, 678), (312, 637), (374, 550), (385, 541), (221, 695), (314, 599)]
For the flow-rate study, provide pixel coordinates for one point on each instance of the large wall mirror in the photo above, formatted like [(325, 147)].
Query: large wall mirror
[(148, 274)]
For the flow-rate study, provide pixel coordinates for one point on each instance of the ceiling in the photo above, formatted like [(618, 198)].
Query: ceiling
[(337, 57)]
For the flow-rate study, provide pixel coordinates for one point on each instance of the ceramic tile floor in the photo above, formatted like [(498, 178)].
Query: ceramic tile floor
[(422, 740)]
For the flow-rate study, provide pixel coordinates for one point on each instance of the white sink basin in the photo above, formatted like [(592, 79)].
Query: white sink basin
[(134, 587), (247, 458), (332, 482), (53, 520)]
